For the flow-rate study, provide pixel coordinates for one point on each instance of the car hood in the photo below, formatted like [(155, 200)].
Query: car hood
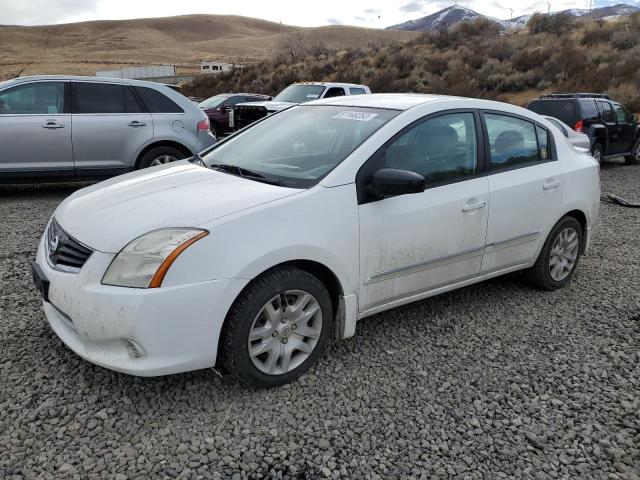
[(270, 106), (108, 215)]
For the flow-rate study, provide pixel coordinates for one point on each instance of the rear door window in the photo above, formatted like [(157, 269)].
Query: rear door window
[(156, 102), (104, 98), (46, 98), (357, 91), (513, 142), (563, 110)]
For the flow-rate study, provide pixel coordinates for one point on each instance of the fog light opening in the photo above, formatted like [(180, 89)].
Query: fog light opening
[(135, 351)]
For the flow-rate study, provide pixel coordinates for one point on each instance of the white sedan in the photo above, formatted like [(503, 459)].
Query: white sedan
[(283, 236)]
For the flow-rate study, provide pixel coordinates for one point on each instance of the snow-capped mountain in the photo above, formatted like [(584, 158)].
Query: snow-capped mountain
[(449, 16), (453, 15)]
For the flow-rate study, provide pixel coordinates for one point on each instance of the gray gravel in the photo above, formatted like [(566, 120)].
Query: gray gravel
[(493, 381)]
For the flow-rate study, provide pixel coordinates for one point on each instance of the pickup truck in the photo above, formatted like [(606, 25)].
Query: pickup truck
[(244, 114)]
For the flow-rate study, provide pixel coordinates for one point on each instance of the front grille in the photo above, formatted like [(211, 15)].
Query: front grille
[(246, 115), (63, 250)]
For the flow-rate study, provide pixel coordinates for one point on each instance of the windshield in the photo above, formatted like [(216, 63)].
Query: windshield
[(299, 93), (213, 102), (298, 146)]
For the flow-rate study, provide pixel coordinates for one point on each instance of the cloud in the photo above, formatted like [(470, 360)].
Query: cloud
[(43, 12), (372, 11), (411, 7), (359, 18), (333, 21)]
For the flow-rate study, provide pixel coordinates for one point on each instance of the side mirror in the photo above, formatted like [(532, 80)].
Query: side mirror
[(390, 182), (225, 108), (634, 118)]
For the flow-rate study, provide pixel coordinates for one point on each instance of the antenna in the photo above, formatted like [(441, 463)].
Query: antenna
[(548, 8)]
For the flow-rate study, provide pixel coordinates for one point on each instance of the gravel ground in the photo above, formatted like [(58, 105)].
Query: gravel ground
[(493, 381)]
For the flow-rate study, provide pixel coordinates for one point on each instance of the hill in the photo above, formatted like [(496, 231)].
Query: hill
[(82, 48), (475, 59), (456, 14)]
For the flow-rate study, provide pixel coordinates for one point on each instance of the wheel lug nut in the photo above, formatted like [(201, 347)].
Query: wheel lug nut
[(294, 326), (284, 340), (275, 334)]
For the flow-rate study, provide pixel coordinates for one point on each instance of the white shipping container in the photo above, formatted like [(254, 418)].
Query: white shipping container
[(109, 73), (148, 72)]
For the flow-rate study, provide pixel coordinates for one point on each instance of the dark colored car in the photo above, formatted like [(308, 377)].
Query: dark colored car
[(612, 130), (218, 107)]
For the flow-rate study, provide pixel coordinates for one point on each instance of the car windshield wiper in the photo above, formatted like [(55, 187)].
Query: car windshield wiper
[(245, 173)]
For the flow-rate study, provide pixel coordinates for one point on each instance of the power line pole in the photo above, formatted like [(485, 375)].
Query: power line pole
[(548, 8)]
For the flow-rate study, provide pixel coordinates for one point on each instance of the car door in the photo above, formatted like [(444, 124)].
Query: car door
[(525, 185), (411, 244), (35, 130), (625, 128), (110, 127), (607, 116)]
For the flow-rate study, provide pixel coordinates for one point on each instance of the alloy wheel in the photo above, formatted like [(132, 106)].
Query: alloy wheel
[(162, 159), (564, 254), (285, 332)]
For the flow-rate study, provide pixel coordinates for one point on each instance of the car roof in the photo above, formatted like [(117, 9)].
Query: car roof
[(128, 81), (331, 84), (395, 101)]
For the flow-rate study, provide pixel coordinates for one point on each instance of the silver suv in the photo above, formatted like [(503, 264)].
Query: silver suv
[(54, 127)]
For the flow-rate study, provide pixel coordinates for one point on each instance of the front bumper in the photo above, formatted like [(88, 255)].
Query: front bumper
[(145, 332)]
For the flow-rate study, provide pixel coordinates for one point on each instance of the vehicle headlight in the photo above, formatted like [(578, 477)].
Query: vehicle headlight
[(144, 262)]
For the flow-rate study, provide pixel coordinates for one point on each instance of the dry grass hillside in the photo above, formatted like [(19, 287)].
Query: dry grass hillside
[(83, 48), (553, 54)]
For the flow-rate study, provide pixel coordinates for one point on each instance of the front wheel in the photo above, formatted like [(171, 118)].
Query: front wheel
[(559, 256), (634, 158), (277, 328)]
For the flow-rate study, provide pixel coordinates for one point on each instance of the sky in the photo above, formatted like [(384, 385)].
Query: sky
[(365, 13)]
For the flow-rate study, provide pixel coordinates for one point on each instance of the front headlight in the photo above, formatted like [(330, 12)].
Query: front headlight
[(144, 262)]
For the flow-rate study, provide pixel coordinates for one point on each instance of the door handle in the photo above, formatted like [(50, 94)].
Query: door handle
[(136, 123), (551, 183), (468, 207), (51, 125)]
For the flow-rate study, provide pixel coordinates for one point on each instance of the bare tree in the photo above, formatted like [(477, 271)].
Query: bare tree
[(318, 48), (294, 46)]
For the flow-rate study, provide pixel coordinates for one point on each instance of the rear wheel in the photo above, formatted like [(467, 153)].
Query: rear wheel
[(597, 151), (277, 328), (559, 256), (160, 156), (634, 158)]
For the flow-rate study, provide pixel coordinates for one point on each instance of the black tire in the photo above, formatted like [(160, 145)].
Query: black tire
[(157, 152), (215, 130), (234, 342), (540, 274), (597, 151), (634, 158)]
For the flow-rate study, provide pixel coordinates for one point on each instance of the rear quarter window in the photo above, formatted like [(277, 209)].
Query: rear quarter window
[(157, 102), (563, 110)]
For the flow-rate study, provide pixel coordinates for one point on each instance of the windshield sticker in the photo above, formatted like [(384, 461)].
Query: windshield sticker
[(359, 116)]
